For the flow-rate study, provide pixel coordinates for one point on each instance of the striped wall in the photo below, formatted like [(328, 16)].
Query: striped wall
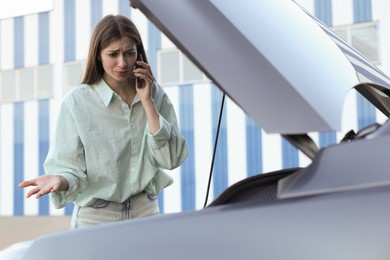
[(61, 36)]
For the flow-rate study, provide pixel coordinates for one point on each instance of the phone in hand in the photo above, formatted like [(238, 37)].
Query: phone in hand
[(136, 66)]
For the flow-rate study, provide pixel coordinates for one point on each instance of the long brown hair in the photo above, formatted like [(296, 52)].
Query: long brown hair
[(110, 28)]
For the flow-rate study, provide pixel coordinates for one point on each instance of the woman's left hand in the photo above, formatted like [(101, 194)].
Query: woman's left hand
[(144, 91), (144, 81)]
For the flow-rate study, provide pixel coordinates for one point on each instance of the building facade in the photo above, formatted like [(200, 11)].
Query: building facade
[(42, 56)]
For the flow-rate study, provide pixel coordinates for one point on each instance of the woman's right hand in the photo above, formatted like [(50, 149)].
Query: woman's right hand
[(45, 184)]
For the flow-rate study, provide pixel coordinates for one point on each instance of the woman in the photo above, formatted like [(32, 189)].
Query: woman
[(114, 134)]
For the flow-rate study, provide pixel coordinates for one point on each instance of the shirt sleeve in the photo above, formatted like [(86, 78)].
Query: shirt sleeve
[(168, 146), (66, 158)]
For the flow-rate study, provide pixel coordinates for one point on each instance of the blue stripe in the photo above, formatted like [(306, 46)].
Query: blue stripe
[(327, 139), (362, 11), (43, 40), (96, 12), (69, 30), (289, 155), (220, 171), (124, 8), (43, 135), (323, 11), (19, 42), (366, 112), (154, 44), (187, 130), (69, 209), (254, 155), (18, 157)]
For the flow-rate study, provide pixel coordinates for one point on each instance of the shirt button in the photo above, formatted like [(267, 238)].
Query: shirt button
[(132, 169)]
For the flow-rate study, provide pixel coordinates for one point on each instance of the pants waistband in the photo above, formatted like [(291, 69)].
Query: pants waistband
[(100, 203)]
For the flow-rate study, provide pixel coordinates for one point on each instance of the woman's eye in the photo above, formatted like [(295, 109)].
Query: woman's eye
[(112, 54)]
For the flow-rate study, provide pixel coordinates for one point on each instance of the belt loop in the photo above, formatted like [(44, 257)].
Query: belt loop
[(127, 205)]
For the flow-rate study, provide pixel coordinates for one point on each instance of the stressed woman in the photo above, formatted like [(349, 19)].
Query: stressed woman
[(115, 134)]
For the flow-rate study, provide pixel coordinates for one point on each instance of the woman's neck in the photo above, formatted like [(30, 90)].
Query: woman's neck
[(125, 89)]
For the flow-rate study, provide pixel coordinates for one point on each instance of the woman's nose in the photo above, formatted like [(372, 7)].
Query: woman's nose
[(122, 61)]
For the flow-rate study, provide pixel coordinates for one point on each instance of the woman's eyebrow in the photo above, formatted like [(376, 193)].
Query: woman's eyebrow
[(125, 50)]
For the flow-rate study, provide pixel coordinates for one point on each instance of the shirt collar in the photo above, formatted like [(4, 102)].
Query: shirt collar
[(104, 91)]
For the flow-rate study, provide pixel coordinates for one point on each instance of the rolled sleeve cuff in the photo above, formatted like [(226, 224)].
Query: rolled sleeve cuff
[(61, 198), (161, 137)]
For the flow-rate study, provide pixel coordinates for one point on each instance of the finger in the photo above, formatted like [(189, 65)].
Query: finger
[(145, 75), (43, 192), (25, 184), (40, 194), (32, 192)]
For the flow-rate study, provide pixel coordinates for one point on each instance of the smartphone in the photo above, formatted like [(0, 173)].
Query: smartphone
[(136, 66)]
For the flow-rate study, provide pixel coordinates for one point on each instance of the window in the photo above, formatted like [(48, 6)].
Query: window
[(190, 71), (26, 83), (363, 37), (45, 79), (174, 67), (8, 86), (169, 67)]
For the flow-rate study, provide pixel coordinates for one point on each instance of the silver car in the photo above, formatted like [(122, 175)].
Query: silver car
[(292, 79)]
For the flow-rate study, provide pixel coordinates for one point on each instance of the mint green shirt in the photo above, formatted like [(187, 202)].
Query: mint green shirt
[(105, 150)]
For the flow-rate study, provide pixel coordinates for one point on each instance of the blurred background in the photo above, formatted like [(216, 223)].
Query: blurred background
[(43, 47)]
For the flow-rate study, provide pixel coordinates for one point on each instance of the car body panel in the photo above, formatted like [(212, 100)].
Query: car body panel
[(336, 208), (350, 166), (316, 227)]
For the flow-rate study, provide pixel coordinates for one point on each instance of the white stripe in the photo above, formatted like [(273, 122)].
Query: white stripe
[(236, 141), (7, 44), (166, 43), (7, 159), (83, 28), (55, 212), (342, 12), (56, 36), (272, 152), (203, 145), (303, 160), (31, 151), (172, 194), (306, 4), (142, 25), (110, 7), (349, 116), (31, 38), (380, 117), (54, 106), (380, 13)]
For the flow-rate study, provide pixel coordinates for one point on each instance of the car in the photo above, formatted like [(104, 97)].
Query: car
[(334, 208)]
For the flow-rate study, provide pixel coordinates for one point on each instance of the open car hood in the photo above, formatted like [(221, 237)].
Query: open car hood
[(283, 67)]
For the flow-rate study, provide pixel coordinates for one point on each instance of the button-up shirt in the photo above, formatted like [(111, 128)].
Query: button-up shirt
[(104, 148)]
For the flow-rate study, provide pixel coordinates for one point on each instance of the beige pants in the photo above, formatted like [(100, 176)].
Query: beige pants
[(102, 211)]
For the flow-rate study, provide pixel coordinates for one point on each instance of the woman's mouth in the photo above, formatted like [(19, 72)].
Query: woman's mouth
[(123, 73)]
